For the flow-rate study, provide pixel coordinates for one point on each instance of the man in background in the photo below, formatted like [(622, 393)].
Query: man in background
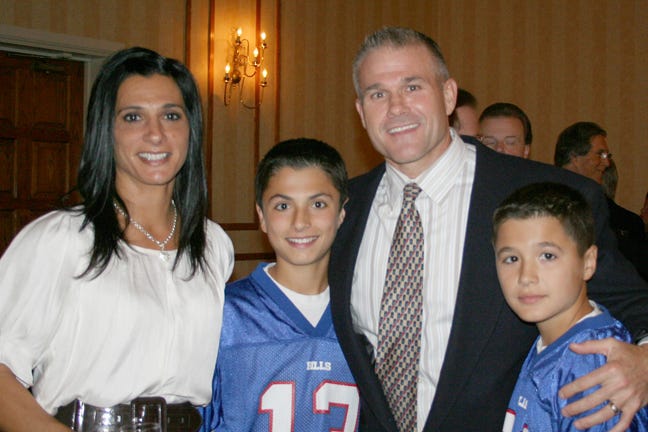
[(464, 118), (505, 128), (582, 148)]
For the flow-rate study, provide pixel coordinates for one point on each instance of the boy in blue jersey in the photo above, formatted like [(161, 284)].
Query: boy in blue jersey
[(279, 366), (543, 235)]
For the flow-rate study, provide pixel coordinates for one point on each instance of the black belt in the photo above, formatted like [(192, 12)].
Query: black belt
[(82, 417)]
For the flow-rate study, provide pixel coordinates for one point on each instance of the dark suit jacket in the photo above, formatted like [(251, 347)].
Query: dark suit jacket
[(629, 230), (488, 343)]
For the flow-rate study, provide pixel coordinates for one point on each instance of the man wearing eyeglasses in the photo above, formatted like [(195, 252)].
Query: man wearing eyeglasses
[(505, 128), (582, 148)]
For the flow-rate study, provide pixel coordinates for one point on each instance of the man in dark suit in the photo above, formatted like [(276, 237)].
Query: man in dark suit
[(472, 345), (582, 148)]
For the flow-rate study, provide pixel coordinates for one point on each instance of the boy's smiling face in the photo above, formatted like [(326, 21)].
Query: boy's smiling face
[(301, 215), (542, 274)]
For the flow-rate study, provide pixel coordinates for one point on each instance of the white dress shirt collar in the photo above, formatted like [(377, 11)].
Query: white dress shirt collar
[(436, 181)]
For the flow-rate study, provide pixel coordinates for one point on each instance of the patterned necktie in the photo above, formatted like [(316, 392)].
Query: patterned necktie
[(399, 330)]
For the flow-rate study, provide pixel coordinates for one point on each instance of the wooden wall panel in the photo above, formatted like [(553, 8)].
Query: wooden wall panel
[(155, 24)]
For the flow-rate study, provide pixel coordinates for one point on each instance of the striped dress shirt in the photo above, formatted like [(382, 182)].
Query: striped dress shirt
[(443, 205)]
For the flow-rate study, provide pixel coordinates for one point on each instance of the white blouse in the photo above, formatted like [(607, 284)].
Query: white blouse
[(136, 330)]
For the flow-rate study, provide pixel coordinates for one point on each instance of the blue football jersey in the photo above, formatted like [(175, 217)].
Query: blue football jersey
[(535, 405), (275, 371)]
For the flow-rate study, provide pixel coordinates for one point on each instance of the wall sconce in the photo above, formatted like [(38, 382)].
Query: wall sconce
[(243, 65)]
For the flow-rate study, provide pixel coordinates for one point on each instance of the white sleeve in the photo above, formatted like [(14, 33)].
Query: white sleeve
[(220, 255), (35, 272)]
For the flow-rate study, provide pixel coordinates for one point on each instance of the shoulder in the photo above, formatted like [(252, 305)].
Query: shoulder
[(624, 218), (57, 220), (249, 316), (217, 238), (46, 256), (487, 158), (595, 328), (469, 139), (215, 232), (238, 289), (57, 228), (241, 297), (363, 188), (365, 180), (613, 329), (603, 326), (507, 173), (248, 287)]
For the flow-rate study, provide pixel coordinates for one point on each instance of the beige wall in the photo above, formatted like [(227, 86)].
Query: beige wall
[(560, 61), (154, 24)]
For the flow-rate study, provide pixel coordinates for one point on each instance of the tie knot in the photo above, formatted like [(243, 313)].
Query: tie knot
[(411, 191)]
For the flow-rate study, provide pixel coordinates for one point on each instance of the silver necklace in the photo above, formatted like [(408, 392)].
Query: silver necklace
[(164, 255)]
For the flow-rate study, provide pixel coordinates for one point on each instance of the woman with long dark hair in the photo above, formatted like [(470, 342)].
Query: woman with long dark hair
[(106, 307)]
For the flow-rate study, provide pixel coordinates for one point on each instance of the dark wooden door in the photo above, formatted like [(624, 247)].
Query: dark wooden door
[(41, 124)]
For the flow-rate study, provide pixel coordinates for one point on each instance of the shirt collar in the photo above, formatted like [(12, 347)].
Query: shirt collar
[(437, 181)]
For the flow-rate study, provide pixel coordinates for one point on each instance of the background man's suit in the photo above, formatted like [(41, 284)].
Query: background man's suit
[(629, 230), (488, 343)]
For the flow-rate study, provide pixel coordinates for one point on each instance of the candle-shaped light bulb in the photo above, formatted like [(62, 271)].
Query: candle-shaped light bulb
[(227, 71), (264, 75), (239, 32), (255, 53), (263, 36)]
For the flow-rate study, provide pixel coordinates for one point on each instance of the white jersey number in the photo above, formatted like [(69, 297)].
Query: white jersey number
[(278, 401)]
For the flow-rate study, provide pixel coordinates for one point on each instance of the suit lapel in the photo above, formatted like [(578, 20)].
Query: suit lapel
[(479, 302), (341, 269)]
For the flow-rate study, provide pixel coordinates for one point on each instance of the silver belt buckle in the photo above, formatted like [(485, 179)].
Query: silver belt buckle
[(142, 415), (89, 418), (148, 414)]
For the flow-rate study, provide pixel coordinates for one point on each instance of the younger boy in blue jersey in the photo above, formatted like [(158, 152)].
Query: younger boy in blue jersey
[(543, 235), (279, 366)]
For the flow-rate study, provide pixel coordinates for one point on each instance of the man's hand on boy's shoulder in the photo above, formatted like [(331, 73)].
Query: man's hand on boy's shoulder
[(623, 380)]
